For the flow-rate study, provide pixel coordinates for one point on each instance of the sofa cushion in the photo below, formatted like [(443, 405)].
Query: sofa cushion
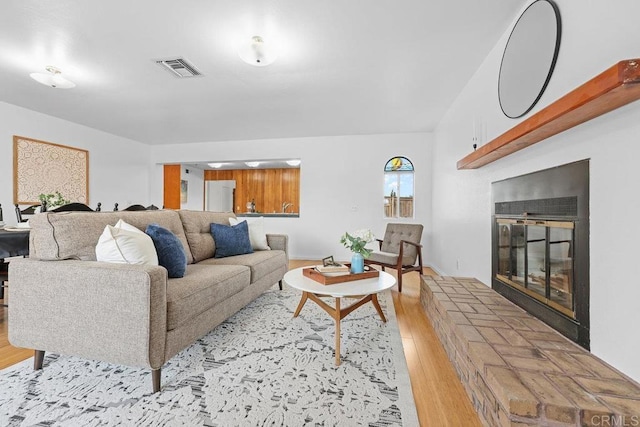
[(231, 239), (197, 228), (74, 235), (261, 263), (387, 258), (171, 254), (202, 287), (125, 244), (256, 232)]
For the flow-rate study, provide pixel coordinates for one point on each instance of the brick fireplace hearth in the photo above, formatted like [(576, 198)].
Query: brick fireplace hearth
[(519, 371)]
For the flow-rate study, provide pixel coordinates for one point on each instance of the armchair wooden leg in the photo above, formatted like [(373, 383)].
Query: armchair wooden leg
[(156, 377), (280, 284), (400, 281), (38, 359)]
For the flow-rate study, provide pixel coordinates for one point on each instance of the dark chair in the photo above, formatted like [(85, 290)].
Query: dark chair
[(136, 208), (4, 265), (72, 207), (23, 214), (4, 277), (399, 250)]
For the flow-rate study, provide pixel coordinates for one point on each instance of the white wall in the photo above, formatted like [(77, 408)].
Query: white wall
[(341, 182), (118, 167), (195, 189), (595, 35)]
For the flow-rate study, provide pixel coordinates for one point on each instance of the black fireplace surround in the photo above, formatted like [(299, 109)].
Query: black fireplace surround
[(540, 246)]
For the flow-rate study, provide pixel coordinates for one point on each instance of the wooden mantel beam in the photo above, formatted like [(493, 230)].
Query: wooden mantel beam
[(611, 89)]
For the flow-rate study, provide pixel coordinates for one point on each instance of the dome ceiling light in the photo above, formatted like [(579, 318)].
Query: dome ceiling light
[(53, 78), (257, 52)]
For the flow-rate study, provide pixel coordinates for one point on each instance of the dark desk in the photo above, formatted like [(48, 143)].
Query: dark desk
[(14, 243)]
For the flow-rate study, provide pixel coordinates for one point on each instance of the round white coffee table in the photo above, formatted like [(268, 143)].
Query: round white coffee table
[(365, 289)]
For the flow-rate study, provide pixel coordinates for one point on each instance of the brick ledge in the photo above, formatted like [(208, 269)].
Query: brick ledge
[(516, 369)]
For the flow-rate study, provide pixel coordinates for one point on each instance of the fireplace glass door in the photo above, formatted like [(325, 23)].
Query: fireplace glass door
[(536, 257)]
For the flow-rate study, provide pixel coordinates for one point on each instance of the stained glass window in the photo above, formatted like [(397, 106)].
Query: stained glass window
[(398, 188)]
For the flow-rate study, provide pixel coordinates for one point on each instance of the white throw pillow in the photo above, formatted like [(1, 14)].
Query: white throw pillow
[(125, 244), (128, 227), (257, 235)]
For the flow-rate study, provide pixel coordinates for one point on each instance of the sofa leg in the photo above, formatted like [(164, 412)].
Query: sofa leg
[(156, 377), (280, 284), (38, 359)]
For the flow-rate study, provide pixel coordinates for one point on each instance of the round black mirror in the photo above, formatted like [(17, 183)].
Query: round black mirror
[(529, 58)]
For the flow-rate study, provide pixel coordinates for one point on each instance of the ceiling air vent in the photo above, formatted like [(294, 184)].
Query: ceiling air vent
[(179, 67)]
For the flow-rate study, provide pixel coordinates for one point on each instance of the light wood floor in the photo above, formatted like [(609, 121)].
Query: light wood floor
[(9, 355), (439, 396)]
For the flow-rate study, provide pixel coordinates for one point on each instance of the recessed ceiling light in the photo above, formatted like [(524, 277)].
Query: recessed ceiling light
[(53, 78), (294, 162), (215, 165), (257, 52), (252, 164)]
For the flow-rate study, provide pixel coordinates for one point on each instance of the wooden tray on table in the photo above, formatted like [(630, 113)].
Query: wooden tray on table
[(323, 279)]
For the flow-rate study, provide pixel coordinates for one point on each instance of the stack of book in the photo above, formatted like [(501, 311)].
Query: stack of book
[(332, 268)]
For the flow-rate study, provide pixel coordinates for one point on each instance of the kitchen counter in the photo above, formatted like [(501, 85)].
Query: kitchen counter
[(269, 215)]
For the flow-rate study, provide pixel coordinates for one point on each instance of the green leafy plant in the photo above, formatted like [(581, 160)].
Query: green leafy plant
[(53, 200), (357, 241)]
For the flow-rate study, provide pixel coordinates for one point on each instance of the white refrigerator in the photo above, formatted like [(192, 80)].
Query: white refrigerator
[(219, 196)]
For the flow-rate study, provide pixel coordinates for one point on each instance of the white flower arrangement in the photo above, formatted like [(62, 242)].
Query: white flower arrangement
[(357, 241), (52, 201)]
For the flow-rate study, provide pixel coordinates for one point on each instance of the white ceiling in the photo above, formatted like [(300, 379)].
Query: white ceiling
[(344, 67)]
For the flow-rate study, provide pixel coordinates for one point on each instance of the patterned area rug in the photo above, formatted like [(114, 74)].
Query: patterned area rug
[(260, 368)]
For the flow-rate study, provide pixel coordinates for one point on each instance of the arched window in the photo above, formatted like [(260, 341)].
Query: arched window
[(398, 188)]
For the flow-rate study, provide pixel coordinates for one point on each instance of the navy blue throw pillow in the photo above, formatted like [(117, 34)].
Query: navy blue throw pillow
[(170, 251), (231, 239)]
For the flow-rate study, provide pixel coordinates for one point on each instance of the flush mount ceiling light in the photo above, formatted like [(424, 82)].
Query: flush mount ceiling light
[(252, 164), (257, 52), (53, 78), (295, 162), (215, 165)]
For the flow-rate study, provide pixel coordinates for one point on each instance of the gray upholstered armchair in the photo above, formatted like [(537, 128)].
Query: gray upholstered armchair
[(399, 250)]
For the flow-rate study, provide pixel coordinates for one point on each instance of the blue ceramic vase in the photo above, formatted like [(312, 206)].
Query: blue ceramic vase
[(357, 263)]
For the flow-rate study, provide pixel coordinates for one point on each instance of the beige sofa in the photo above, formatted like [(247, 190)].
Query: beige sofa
[(64, 301)]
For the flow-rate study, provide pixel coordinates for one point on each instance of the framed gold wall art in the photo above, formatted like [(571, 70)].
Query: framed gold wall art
[(44, 167)]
